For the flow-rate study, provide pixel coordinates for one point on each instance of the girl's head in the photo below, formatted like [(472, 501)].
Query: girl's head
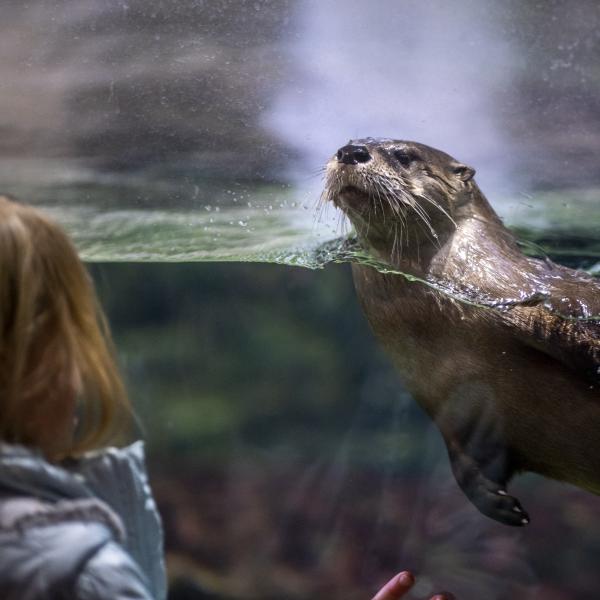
[(56, 359)]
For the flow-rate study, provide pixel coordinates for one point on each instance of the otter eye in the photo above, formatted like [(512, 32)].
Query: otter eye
[(403, 157)]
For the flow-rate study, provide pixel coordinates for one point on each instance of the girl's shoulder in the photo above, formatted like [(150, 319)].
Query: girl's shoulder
[(19, 514), (101, 498), (65, 549)]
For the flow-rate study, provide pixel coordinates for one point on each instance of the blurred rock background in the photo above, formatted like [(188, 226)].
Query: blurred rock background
[(134, 83), (125, 84)]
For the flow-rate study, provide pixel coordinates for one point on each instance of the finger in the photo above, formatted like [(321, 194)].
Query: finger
[(396, 587), (443, 596)]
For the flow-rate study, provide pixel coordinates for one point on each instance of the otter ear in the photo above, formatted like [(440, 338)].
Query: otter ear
[(463, 172)]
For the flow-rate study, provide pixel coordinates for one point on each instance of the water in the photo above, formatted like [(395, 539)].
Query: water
[(147, 217), (287, 458)]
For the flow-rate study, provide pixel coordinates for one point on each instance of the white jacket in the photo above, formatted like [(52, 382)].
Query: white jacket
[(85, 530)]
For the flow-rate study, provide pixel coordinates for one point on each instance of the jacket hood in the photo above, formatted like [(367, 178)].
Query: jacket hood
[(24, 471), (116, 476)]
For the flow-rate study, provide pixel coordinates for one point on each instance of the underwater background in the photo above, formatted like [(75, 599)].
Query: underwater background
[(180, 143)]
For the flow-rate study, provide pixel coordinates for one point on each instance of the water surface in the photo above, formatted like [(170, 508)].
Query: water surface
[(150, 217)]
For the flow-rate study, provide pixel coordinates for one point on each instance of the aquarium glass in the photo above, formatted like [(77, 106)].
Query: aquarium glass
[(182, 145)]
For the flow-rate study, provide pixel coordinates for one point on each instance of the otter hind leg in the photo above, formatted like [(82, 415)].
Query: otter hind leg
[(484, 484)]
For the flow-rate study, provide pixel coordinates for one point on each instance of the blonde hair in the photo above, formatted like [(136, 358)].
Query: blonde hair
[(51, 326)]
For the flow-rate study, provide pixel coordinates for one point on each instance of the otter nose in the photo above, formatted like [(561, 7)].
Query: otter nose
[(352, 155)]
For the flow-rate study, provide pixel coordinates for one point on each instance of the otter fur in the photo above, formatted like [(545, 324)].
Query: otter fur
[(501, 350)]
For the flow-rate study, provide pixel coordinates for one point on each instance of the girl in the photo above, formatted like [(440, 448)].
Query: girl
[(72, 525), (77, 519)]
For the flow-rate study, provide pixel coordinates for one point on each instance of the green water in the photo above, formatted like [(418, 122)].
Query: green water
[(181, 217)]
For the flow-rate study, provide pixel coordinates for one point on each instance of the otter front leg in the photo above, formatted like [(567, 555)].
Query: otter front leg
[(483, 479), (472, 425)]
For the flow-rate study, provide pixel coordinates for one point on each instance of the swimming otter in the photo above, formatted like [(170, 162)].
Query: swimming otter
[(511, 376)]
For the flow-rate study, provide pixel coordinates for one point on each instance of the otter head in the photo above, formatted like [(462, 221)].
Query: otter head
[(400, 196)]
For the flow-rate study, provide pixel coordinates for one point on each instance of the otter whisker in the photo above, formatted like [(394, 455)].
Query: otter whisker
[(403, 226), (341, 221), (312, 174), (378, 190), (397, 206), (397, 247), (394, 202), (423, 218), (377, 196), (390, 194), (431, 232), (440, 208), (394, 242), (368, 222), (322, 206), (420, 211)]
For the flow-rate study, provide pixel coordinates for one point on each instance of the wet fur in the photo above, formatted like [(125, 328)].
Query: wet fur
[(512, 381)]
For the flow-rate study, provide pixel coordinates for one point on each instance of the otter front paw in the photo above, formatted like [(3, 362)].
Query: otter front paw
[(487, 493), (494, 502)]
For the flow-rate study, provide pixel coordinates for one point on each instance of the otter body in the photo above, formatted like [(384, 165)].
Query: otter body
[(501, 350)]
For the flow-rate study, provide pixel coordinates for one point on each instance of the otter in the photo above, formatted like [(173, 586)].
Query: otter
[(501, 350)]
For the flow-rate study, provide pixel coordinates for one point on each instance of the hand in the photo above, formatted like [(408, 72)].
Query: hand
[(396, 587)]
